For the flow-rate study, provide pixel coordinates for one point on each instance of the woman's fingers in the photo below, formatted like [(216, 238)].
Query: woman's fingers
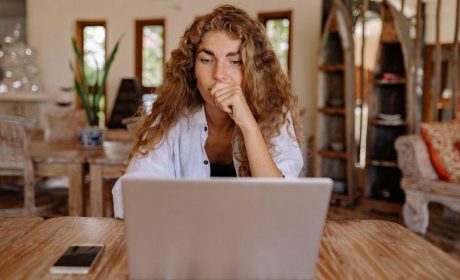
[(227, 93), (230, 99), (227, 101)]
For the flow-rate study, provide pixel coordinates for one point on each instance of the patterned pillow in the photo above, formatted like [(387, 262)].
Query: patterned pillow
[(442, 139)]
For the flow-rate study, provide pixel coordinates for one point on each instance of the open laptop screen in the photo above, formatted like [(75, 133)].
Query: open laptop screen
[(224, 228)]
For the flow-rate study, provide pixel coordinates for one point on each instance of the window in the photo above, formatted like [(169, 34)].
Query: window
[(91, 39), (278, 28), (150, 48)]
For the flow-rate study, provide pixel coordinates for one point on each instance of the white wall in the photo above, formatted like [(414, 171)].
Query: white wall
[(50, 25)]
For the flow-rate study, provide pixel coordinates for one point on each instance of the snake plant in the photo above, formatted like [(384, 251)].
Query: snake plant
[(90, 94)]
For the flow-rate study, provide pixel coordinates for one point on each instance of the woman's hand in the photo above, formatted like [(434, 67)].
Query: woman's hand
[(230, 99)]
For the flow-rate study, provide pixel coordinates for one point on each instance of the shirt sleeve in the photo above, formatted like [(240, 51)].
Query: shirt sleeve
[(158, 163), (287, 154)]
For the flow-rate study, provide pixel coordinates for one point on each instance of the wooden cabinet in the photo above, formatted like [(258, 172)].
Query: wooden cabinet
[(334, 148), (391, 113)]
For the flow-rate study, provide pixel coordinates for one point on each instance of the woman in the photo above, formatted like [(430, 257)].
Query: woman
[(225, 108)]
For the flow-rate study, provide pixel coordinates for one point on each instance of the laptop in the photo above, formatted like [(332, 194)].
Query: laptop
[(245, 228)]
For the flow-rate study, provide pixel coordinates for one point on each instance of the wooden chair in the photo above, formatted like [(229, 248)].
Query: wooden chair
[(15, 160), (63, 125)]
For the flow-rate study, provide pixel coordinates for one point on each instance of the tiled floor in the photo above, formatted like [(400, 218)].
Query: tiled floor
[(443, 231)]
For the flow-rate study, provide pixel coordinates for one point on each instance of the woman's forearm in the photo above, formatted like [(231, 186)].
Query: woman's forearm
[(260, 160)]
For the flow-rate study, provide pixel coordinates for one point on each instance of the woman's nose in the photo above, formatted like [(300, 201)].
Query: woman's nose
[(220, 73)]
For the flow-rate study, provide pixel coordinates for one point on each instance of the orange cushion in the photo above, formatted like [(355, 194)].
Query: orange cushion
[(442, 139)]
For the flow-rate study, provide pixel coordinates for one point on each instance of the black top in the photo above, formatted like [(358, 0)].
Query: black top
[(223, 170)]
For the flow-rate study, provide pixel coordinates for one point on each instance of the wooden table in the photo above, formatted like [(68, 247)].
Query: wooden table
[(108, 165), (69, 159), (39, 249), (63, 159), (100, 169), (349, 250), (12, 228), (380, 250)]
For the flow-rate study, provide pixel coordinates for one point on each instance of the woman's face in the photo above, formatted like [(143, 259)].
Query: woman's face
[(217, 63)]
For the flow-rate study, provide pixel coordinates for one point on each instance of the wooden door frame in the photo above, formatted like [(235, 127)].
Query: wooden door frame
[(138, 46), (264, 17)]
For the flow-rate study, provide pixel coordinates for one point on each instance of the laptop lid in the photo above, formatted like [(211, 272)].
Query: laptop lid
[(246, 228)]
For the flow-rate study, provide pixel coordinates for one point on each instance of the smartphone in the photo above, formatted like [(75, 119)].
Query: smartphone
[(78, 259)]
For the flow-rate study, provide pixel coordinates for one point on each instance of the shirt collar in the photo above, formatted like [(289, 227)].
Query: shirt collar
[(200, 116), (197, 118)]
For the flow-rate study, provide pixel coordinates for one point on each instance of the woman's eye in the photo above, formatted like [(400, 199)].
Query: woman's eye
[(236, 62), (206, 60)]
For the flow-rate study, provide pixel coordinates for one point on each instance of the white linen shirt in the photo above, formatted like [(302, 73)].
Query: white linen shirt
[(181, 154)]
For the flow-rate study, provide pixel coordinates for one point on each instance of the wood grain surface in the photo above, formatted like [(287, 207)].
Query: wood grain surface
[(349, 250), (380, 250), (30, 256), (12, 228)]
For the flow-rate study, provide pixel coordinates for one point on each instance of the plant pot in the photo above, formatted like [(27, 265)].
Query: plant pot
[(91, 137)]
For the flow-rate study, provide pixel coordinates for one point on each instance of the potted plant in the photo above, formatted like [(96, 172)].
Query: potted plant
[(90, 94)]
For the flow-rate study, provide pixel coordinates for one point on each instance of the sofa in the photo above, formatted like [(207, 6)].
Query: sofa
[(421, 179)]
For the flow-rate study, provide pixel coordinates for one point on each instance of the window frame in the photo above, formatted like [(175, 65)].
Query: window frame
[(264, 17), (139, 35), (79, 26)]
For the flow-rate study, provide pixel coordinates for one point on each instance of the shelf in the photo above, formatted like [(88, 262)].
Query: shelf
[(331, 67), (383, 163), (389, 107), (386, 82), (335, 107), (332, 154), (387, 123), (332, 111), (444, 103), (24, 97)]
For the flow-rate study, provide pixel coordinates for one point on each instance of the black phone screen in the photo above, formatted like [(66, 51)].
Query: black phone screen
[(79, 256)]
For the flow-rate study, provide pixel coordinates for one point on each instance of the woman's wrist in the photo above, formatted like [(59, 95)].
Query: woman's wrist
[(249, 127)]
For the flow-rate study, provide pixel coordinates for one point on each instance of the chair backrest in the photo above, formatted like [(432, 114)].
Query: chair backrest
[(14, 143), (414, 158), (63, 125)]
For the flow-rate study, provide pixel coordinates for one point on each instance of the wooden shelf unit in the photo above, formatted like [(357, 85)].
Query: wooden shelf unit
[(389, 97), (332, 67), (334, 149), (390, 82), (383, 163), (332, 154), (387, 122), (332, 111)]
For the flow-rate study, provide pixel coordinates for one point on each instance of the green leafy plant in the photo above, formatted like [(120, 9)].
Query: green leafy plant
[(90, 94)]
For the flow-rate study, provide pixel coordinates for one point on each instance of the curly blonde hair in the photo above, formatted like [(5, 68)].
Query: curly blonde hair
[(265, 85)]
